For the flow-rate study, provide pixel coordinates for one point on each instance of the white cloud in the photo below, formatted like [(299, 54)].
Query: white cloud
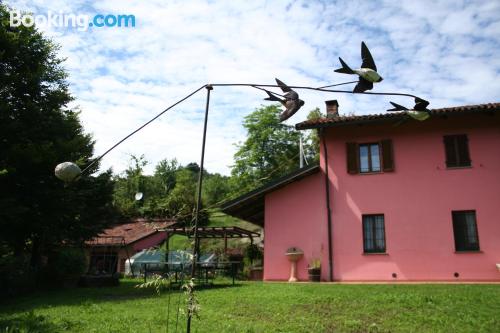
[(445, 51)]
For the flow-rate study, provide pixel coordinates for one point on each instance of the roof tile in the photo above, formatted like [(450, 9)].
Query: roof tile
[(130, 232), (348, 120)]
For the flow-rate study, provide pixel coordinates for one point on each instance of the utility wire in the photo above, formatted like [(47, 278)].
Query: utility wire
[(271, 92), (257, 86), (140, 127), (311, 88), (338, 84)]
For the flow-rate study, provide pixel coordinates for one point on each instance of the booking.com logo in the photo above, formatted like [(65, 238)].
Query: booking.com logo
[(62, 20)]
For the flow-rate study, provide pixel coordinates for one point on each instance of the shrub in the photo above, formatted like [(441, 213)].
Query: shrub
[(253, 252), (69, 262), (16, 275)]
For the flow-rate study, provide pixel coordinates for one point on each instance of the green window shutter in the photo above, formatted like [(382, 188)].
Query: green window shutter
[(352, 157), (387, 155)]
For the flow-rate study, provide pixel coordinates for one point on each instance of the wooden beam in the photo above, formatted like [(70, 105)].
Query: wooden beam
[(225, 243)]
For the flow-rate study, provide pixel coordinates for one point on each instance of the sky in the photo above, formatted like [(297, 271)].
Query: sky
[(444, 51)]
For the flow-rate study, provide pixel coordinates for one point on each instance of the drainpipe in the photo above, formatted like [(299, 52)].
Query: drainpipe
[(328, 208)]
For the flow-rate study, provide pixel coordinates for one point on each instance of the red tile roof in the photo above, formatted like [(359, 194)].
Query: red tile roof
[(130, 232), (374, 118)]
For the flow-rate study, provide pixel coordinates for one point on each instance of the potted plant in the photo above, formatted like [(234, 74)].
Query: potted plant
[(314, 270), (254, 255)]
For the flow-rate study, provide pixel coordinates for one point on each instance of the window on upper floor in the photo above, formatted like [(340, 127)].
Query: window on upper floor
[(457, 151), (465, 230), (373, 234), (370, 157)]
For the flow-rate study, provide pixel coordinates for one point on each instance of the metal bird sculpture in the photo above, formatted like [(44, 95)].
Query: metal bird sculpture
[(367, 73), (419, 111), (292, 103)]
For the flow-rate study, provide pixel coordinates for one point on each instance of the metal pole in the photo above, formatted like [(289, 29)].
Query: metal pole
[(198, 200), (255, 85), (225, 243), (167, 250), (301, 152), (328, 208)]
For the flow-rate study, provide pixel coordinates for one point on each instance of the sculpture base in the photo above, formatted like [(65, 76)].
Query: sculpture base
[(293, 272)]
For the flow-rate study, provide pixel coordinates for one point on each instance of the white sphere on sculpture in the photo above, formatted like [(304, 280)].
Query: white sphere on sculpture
[(67, 171)]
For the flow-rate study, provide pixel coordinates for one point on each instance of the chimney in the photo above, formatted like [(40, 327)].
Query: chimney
[(332, 108)]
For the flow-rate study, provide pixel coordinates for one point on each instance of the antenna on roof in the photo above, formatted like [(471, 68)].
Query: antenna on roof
[(302, 156)]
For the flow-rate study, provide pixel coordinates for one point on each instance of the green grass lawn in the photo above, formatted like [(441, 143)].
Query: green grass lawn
[(263, 307), (219, 219)]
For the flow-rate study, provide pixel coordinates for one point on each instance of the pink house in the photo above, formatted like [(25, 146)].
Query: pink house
[(393, 199)]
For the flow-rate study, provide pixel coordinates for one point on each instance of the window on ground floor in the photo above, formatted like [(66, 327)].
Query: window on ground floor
[(465, 230), (373, 233), (103, 263)]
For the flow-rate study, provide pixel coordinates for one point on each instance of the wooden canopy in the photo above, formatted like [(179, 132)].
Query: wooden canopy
[(213, 232)]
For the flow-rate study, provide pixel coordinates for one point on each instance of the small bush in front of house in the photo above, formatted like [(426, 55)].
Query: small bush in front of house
[(69, 262), (253, 252), (64, 266), (16, 275)]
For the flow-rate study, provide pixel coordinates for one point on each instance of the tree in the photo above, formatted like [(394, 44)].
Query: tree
[(158, 188), (37, 131), (270, 150), (169, 193), (165, 174), (216, 188), (128, 186), (193, 167), (181, 202), (313, 136)]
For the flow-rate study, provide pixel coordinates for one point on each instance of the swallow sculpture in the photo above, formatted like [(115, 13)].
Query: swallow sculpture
[(419, 111), (291, 100), (367, 73)]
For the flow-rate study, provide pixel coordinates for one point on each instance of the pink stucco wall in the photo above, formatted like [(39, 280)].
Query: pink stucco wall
[(416, 199), (294, 216), (150, 241)]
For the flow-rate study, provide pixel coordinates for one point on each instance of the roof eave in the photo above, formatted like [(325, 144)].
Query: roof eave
[(299, 126), (270, 186), (255, 198), (385, 118)]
